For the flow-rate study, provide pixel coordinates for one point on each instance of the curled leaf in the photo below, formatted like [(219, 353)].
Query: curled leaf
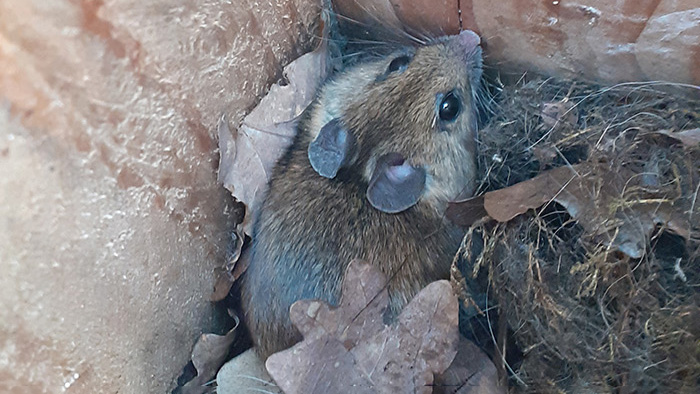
[(689, 138), (249, 153), (208, 355), (349, 348), (609, 205), (471, 372), (233, 268), (245, 374)]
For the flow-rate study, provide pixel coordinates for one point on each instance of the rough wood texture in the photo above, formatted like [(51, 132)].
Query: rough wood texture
[(111, 220), (608, 41)]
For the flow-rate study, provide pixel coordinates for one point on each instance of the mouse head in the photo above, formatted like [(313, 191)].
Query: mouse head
[(406, 123)]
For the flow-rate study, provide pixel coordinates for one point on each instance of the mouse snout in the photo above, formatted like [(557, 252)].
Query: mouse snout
[(469, 41)]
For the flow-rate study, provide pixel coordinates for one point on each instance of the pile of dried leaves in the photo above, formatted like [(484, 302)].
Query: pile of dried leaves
[(588, 216)]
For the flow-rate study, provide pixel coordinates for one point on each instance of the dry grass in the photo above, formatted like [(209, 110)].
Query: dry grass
[(588, 317)]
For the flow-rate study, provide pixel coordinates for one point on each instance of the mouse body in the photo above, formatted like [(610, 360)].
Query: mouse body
[(379, 153)]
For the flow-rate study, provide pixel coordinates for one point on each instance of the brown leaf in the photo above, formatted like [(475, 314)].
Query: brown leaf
[(222, 285), (349, 349), (471, 372), (245, 374), (233, 268), (208, 355), (601, 201), (466, 212), (505, 204), (689, 138), (423, 343), (248, 156), (611, 206)]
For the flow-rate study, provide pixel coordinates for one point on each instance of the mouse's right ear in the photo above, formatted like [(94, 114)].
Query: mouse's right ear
[(332, 149), (395, 185)]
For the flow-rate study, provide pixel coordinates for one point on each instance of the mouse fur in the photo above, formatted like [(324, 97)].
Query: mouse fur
[(310, 226)]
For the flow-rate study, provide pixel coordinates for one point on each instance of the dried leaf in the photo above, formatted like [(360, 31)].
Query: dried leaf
[(349, 349), (248, 156), (245, 374), (505, 204), (208, 355), (599, 199), (466, 212), (689, 138), (471, 372), (222, 285), (610, 205), (232, 268)]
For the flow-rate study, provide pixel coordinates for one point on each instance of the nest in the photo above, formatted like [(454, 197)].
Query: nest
[(588, 313)]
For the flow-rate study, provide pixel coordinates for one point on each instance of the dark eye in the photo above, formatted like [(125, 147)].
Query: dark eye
[(398, 64), (449, 107)]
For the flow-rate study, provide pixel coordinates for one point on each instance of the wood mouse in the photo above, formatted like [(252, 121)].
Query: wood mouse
[(379, 153)]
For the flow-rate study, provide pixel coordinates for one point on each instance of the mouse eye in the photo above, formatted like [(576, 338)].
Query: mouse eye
[(398, 64), (449, 107)]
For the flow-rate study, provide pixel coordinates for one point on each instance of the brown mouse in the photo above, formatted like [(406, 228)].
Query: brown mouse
[(379, 153)]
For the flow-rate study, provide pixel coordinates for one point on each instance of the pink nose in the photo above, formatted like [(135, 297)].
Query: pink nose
[(469, 40)]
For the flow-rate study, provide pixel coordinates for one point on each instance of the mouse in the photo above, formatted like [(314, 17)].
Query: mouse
[(378, 154)]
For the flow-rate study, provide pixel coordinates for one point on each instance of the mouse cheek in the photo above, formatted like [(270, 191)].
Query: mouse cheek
[(395, 185), (465, 127), (458, 136)]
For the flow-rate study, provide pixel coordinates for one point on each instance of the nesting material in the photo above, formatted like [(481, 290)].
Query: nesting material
[(600, 286)]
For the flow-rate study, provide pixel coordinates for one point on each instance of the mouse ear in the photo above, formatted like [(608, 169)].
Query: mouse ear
[(332, 149), (395, 185)]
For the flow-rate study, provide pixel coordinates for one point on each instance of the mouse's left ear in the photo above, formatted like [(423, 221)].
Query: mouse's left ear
[(395, 185), (332, 149)]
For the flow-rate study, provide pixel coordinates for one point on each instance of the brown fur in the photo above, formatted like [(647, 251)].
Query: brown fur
[(311, 227)]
